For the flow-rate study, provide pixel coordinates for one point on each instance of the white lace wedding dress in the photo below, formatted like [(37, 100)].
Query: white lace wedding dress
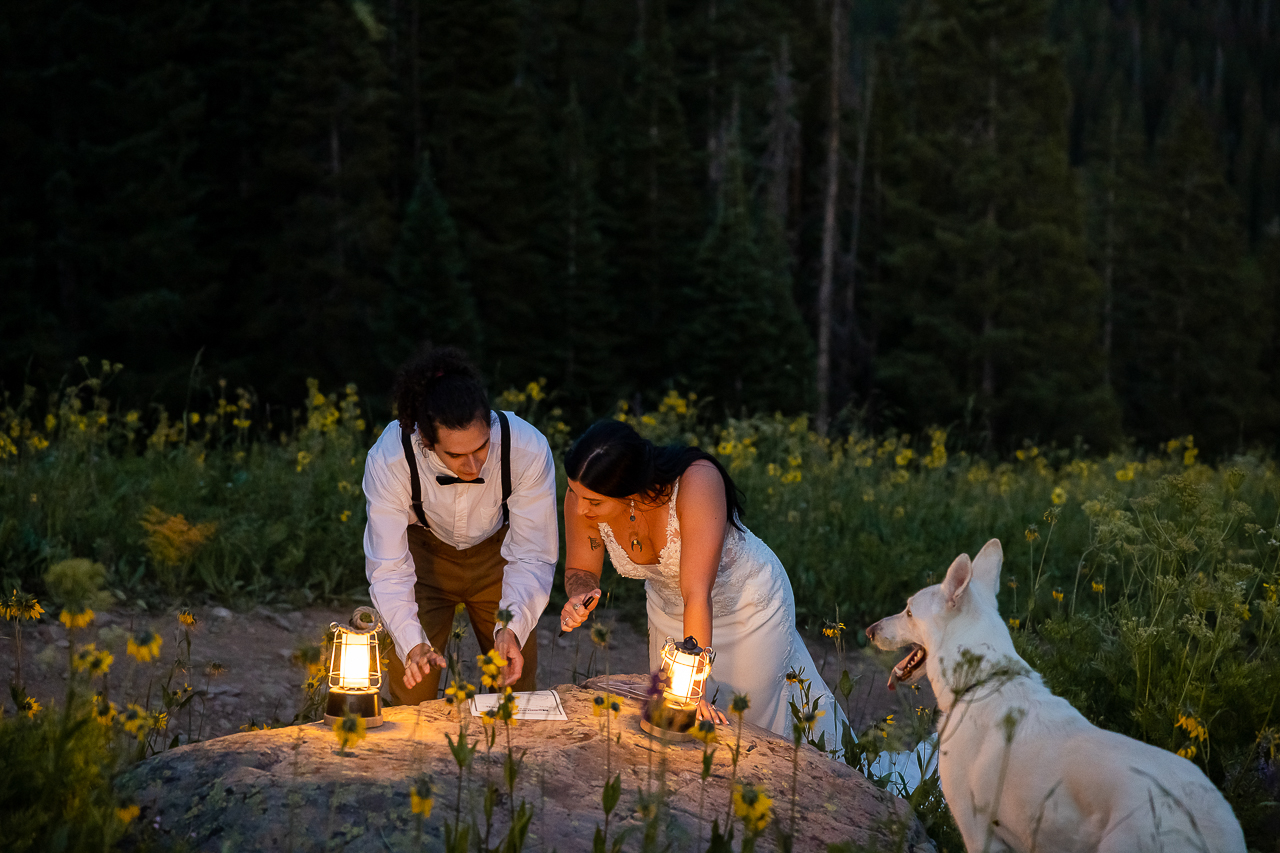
[(753, 625)]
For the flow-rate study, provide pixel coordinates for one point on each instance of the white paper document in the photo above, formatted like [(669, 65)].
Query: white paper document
[(530, 705)]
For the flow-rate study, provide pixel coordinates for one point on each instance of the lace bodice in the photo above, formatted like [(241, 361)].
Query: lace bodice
[(747, 567)]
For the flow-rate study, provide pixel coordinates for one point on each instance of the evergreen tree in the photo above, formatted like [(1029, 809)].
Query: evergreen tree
[(1191, 322), (989, 302), (490, 145), (589, 345), (655, 208), (749, 347), (431, 299)]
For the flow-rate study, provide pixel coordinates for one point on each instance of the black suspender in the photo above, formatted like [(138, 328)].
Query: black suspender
[(415, 484), (506, 465)]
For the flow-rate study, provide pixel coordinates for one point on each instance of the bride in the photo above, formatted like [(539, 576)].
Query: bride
[(670, 515)]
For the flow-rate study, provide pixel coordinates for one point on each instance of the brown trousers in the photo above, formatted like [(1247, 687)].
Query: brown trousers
[(448, 577)]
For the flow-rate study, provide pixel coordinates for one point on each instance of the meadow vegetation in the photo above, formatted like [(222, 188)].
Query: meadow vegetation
[(1143, 585)]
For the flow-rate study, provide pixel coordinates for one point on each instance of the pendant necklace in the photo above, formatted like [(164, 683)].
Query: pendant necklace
[(635, 538)]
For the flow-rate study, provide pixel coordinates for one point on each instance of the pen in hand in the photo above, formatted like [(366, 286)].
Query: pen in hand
[(586, 602)]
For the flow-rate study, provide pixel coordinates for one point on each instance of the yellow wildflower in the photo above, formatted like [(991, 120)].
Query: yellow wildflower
[(1188, 752), (76, 620), (704, 731), (1194, 728), (128, 813), (345, 514), (29, 706), (833, 629), (1059, 496), (904, 457), (187, 619), (1015, 624), (458, 692), (135, 720), (350, 729), (304, 459), (491, 665), (93, 660), (422, 797), (144, 646), (1058, 596), (22, 607), (752, 806), (1099, 587)]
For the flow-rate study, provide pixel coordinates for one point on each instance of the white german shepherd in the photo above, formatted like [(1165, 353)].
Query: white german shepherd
[(1021, 769)]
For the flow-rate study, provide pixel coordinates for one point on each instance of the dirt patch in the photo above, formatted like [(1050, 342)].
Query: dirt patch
[(260, 683)]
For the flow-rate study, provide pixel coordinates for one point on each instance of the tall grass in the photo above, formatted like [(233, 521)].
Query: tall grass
[(1143, 585)]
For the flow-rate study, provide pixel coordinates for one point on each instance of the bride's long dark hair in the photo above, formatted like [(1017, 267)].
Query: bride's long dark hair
[(611, 458)]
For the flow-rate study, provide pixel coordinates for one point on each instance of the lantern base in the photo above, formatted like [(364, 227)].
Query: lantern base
[(341, 703), (671, 724)]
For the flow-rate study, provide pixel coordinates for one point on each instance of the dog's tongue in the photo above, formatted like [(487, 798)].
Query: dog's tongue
[(906, 667)]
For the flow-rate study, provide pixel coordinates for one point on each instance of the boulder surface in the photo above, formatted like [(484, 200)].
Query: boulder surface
[(290, 789)]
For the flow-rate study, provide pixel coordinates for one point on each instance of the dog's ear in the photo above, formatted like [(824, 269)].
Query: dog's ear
[(957, 580), (986, 567)]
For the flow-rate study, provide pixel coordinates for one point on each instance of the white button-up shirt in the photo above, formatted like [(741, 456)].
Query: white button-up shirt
[(461, 516)]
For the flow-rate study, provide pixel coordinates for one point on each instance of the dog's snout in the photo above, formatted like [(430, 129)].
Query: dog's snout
[(871, 631)]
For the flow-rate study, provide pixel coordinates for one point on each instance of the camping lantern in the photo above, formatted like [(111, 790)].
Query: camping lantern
[(355, 669), (685, 667)]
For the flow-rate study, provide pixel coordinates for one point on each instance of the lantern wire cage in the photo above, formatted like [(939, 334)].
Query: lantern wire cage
[(685, 667), (355, 669)]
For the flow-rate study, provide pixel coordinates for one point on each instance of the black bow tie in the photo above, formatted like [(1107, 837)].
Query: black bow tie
[(449, 481)]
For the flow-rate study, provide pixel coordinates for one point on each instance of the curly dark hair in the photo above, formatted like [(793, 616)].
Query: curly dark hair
[(611, 458), (439, 387)]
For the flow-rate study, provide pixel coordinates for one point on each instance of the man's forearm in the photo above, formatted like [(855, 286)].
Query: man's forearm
[(579, 582)]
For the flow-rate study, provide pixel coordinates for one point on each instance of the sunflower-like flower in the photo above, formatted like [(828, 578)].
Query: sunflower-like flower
[(145, 645), (811, 715), (76, 620), (422, 796), (93, 660), (458, 692), (187, 619), (704, 731), (104, 712), (21, 607), (608, 702), (491, 665), (127, 814), (135, 720), (833, 629), (740, 704), (29, 706), (751, 804), (600, 633), (349, 729)]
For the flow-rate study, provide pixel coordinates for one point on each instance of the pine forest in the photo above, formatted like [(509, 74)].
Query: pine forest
[(1024, 220)]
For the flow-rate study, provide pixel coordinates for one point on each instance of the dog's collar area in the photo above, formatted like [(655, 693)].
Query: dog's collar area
[(995, 679)]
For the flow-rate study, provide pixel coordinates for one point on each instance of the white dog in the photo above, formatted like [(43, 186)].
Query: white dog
[(1021, 769)]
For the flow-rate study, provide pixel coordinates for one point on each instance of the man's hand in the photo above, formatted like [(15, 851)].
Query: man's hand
[(418, 663), (506, 644)]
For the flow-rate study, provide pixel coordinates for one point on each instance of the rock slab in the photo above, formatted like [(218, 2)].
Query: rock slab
[(289, 789)]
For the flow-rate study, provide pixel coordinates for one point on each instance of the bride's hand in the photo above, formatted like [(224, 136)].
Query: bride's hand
[(577, 609), (707, 711)]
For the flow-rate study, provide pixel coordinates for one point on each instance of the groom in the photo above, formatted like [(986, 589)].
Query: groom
[(462, 510)]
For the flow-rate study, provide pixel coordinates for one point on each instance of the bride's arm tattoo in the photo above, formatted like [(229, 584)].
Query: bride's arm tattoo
[(579, 582), (595, 543)]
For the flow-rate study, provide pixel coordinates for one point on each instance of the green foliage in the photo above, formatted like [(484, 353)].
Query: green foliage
[(55, 789), (1180, 648)]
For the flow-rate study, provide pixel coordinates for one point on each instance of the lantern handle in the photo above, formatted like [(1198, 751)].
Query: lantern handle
[(355, 626)]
